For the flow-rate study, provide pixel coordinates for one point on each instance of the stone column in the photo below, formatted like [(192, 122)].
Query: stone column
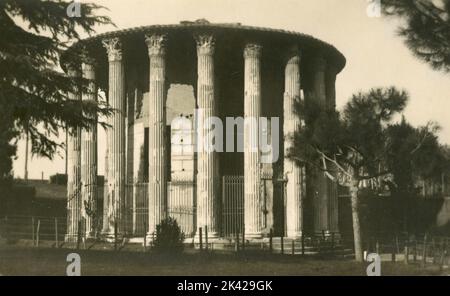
[(116, 139), (73, 172), (252, 159), (89, 157), (291, 123), (333, 198), (320, 198), (207, 160), (157, 205)]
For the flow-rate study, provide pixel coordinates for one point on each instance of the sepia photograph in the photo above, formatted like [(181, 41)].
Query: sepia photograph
[(225, 143)]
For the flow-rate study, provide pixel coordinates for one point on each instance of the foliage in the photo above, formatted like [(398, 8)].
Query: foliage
[(59, 179), (349, 147), (413, 155), (426, 29), (169, 238), (354, 141), (33, 91)]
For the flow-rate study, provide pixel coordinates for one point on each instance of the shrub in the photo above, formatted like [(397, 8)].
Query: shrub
[(169, 238)]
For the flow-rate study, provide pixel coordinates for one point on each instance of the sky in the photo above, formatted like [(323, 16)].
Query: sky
[(376, 55)]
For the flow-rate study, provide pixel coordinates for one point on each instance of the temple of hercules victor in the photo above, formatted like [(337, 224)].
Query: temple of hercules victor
[(166, 82)]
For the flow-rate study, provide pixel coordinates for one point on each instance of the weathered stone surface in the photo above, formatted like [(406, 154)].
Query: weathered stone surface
[(115, 216), (207, 162), (252, 158), (291, 123), (157, 132)]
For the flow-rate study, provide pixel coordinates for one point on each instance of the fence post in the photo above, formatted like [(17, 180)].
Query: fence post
[(433, 244), (424, 251), (332, 241), (443, 253), (243, 237), (56, 233), (32, 231), (37, 232), (145, 237), (282, 244), (201, 238), (396, 244), (406, 253), (303, 244), (6, 227), (415, 250), (270, 240), (236, 243), (293, 247), (206, 237), (377, 247), (393, 250), (79, 235), (115, 235)]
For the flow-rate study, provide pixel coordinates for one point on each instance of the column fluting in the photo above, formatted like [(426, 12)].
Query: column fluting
[(157, 131), (253, 211), (89, 157), (291, 124), (320, 198), (208, 180), (333, 198), (116, 139), (73, 171)]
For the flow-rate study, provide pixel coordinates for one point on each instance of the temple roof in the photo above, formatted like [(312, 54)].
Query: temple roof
[(303, 39)]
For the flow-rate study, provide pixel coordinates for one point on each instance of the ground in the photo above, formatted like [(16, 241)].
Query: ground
[(16, 260)]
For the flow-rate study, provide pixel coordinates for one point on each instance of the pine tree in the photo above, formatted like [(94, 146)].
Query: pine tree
[(33, 88), (426, 29), (349, 147)]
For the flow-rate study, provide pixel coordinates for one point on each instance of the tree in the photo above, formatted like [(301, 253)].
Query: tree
[(413, 154), (351, 145), (33, 90), (426, 29)]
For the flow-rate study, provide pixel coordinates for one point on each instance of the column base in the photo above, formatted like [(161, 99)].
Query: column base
[(212, 236), (70, 238), (110, 237), (294, 234), (327, 234), (254, 236)]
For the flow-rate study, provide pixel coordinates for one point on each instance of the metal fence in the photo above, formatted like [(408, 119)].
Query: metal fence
[(36, 228), (181, 205), (232, 205)]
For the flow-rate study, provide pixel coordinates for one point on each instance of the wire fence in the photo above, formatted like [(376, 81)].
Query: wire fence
[(423, 250), (35, 228)]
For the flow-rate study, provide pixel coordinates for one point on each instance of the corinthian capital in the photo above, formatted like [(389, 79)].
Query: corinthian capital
[(205, 44), (156, 44), (252, 50), (113, 47)]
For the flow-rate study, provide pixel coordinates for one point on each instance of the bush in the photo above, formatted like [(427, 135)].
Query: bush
[(58, 179), (169, 238)]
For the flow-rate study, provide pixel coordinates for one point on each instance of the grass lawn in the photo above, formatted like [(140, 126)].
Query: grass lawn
[(15, 260)]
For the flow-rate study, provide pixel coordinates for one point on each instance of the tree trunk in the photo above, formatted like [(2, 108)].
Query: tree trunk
[(355, 218)]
